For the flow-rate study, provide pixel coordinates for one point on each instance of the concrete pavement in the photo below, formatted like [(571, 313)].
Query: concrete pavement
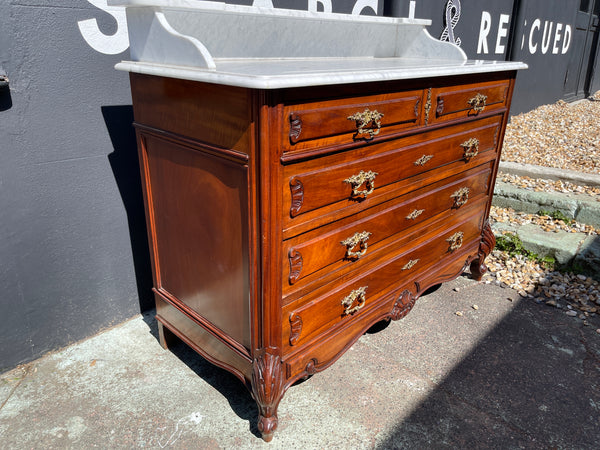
[(510, 374)]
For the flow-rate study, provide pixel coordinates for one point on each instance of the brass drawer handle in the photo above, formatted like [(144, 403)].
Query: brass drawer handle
[(461, 197), (456, 241), (359, 239), (354, 301), (409, 265), (478, 102), (416, 213), (367, 122), (471, 148), (366, 178), (423, 160)]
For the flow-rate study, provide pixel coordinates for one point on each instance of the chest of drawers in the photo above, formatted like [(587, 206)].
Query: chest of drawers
[(291, 206)]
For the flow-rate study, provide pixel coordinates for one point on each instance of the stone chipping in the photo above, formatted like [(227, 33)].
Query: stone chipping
[(562, 136)]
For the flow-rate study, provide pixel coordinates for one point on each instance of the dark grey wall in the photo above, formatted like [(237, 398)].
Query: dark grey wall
[(547, 58), (73, 252), (478, 24)]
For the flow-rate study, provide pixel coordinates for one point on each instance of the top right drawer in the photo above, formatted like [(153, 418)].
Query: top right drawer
[(465, 101)]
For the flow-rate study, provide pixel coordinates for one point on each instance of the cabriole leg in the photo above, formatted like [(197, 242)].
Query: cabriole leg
[(488, 241), (267, 389)]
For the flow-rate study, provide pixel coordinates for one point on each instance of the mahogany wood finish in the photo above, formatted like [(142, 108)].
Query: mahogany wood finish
[(284, 223)]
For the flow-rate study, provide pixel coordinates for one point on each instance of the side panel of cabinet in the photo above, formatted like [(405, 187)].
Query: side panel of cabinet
[(197, 211)]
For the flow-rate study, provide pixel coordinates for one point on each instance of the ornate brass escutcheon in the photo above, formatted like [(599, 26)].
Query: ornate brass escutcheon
[(367, 122), (409, 265), (471, 148), (456, 241), (354, 301), (461, 197), (478, 102), (423, 160), (359, 239), (416, 213), (366, 178)]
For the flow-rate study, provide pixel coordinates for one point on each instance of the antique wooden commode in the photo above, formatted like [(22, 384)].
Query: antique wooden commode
[(305, 175)]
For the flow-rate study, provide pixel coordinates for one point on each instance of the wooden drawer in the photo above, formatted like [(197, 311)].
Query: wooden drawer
[(464, 101), (331, 344), (335, 179), (342, 301), (329, 247), (320, 124)]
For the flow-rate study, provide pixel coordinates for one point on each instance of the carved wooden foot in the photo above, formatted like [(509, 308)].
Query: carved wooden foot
[(267, 390), (488, 241)]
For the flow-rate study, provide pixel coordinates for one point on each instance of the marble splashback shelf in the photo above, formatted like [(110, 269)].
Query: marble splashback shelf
[(273, 48)]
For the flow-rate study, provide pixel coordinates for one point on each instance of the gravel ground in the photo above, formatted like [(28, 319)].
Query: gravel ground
[(563, 136), (578, 295)]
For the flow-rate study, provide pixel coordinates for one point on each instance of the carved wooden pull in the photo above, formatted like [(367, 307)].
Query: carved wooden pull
[(461, 197), (471, 148), (367, 122), (409, 265), (423, 160), (478, 102), (359, 239), (366, 178), (355, 300), (416, 213), (456, 241)]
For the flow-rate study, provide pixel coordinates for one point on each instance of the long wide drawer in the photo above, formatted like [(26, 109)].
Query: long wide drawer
[(342, 301), (344, 121), (354, 239), (358, 176)]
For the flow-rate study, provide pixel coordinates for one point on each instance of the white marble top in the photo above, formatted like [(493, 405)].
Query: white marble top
[(267, 48), (273, 74)]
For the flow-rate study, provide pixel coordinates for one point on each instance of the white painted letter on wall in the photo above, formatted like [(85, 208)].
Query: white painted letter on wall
[(103, 43), (362, 4), (502, 33), (313, 5), (537, 23), (484, 30), (567, 41)]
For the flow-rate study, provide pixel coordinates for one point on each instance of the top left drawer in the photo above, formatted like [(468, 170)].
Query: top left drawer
[(349, 120)]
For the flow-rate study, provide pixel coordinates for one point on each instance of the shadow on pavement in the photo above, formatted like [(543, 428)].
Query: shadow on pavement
[(532, 382)]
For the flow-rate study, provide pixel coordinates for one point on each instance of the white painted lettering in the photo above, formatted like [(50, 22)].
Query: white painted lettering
[(567, 41), (103, 43), (537, 23), (547, 36), (313, 5), (502, 33), (484, 30), (557, 37), (411, 9), (360, 5)]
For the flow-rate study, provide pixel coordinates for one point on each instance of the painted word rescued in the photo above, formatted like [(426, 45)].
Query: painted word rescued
[(555, 36), (550, 37)]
